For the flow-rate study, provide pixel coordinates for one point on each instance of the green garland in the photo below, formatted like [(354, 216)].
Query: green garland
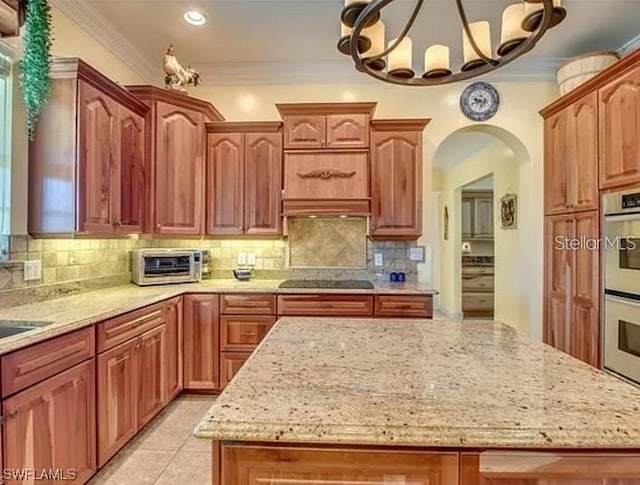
[(36, 63)]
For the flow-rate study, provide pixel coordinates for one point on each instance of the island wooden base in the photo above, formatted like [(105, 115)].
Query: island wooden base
[(276, 464)]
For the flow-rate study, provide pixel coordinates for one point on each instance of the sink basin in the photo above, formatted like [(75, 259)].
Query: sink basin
[(15, 327)]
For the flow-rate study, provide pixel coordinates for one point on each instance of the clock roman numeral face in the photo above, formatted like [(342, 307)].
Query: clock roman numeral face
[(479, 101)]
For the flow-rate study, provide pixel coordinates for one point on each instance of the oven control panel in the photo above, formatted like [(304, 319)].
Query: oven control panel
[(631, 201)]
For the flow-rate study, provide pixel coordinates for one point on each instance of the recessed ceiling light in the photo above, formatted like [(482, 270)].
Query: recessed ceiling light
[(195, 18)]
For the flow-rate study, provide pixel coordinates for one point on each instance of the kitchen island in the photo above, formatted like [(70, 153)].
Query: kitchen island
[(346, 401)]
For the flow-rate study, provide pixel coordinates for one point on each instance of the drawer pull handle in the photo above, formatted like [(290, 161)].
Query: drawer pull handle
[(247, 334), (404, 307)]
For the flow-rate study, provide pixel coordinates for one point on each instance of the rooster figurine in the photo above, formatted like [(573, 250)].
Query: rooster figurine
[(176, 76)]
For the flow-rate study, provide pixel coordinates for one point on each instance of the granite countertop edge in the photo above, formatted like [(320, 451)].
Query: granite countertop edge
[(83, 309)]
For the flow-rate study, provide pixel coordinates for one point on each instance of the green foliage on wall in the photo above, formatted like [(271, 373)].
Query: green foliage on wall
[(36, 63)]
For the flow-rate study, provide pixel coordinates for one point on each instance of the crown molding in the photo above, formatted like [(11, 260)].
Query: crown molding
[(103, 31)]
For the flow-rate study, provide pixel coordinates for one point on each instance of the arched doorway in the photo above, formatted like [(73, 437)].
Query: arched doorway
[(465, 162)]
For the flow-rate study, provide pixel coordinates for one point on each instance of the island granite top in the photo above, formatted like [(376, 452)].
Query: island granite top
[(476, 384)]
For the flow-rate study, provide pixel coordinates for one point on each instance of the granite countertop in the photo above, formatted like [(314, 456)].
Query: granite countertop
[(472, 384), (84, 309)]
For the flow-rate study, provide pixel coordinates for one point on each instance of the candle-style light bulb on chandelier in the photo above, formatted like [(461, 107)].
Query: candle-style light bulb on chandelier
[(524, 23)]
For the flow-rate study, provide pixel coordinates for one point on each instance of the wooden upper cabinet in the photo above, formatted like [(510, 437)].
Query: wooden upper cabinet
[(619, 139), (557, 139), (244, 178), (312, 126), (176, 138), (87, 161), (225, 183), (396, 179), (97, 123), (179, 170), (584, 153), (348, 131), (51, 426), (263, 183), (129, 195), (305, 132)]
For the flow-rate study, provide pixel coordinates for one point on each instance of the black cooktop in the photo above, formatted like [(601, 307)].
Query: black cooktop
[(331, 284)]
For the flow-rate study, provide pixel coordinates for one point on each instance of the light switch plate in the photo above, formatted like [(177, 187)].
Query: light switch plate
[(417, 254), (242, 258), (32, 270), (377, 259), (251, 259)]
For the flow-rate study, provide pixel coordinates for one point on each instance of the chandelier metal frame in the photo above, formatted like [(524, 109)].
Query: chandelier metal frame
[(366, 15)]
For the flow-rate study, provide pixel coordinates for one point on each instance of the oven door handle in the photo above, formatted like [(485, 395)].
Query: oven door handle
[(626, 301), (635, 216)]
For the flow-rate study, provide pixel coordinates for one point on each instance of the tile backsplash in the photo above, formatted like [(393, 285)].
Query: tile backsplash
[(75, 265)]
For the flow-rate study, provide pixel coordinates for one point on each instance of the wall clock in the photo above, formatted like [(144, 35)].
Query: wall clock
[(479, 101)]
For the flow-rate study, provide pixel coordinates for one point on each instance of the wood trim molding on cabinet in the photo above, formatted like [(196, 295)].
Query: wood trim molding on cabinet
[(305, 207), (308, 109), (154, 93), (243, 126), (73, 67), (625, 64), (409, 124)]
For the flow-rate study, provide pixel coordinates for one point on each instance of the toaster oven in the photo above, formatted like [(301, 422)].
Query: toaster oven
[(165, 266)]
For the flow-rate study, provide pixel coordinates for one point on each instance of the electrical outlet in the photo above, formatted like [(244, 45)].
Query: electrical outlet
[(242, 258), (251, 259), (417, 254), (32, 270), (377, 259)]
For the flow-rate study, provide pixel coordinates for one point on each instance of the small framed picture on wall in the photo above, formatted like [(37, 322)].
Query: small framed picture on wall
[(509, 211)]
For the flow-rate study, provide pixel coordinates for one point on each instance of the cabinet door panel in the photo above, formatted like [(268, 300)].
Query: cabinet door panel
[(179, 170), (225, 184), (230, 364), (557, 163), (304, 131), (559, 263), (483, 217), (117, 416), (467, 217), (96, 142), (396, 184), (256, 466), (584, 153), (174, 343), (52, 426), (620, 131), (585, 321), (263, 183), (129, 192), (347, 131), (201, 342), (150, 379)]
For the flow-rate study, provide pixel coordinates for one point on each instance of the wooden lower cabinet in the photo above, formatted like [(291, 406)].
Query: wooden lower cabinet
[(398, 306), (201, 342), (257, 465), (130, 389), (150, 377), (117, 414), (230, 364), (52, 426), (329, 305), (173, 349)]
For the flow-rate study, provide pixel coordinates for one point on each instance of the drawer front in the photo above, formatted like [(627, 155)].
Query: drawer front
[(477, 302), (477, 283), (230, 364), (248, 304), (326, 305), (477, 270), (120, 329), (404, 306), (243, 333), (28, 366)]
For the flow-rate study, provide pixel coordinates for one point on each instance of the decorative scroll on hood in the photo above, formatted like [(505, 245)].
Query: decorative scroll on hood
[(326, 183)]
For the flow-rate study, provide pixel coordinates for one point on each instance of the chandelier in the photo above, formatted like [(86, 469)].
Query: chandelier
[(363, 38)]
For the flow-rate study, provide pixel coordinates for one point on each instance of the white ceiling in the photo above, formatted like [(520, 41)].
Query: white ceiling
[(262, 41)]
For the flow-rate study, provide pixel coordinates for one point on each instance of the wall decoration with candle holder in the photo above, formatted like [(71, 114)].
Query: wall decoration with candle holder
[(524, 23)]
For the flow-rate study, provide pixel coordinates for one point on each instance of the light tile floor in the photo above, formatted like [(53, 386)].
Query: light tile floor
[(164, 452)]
